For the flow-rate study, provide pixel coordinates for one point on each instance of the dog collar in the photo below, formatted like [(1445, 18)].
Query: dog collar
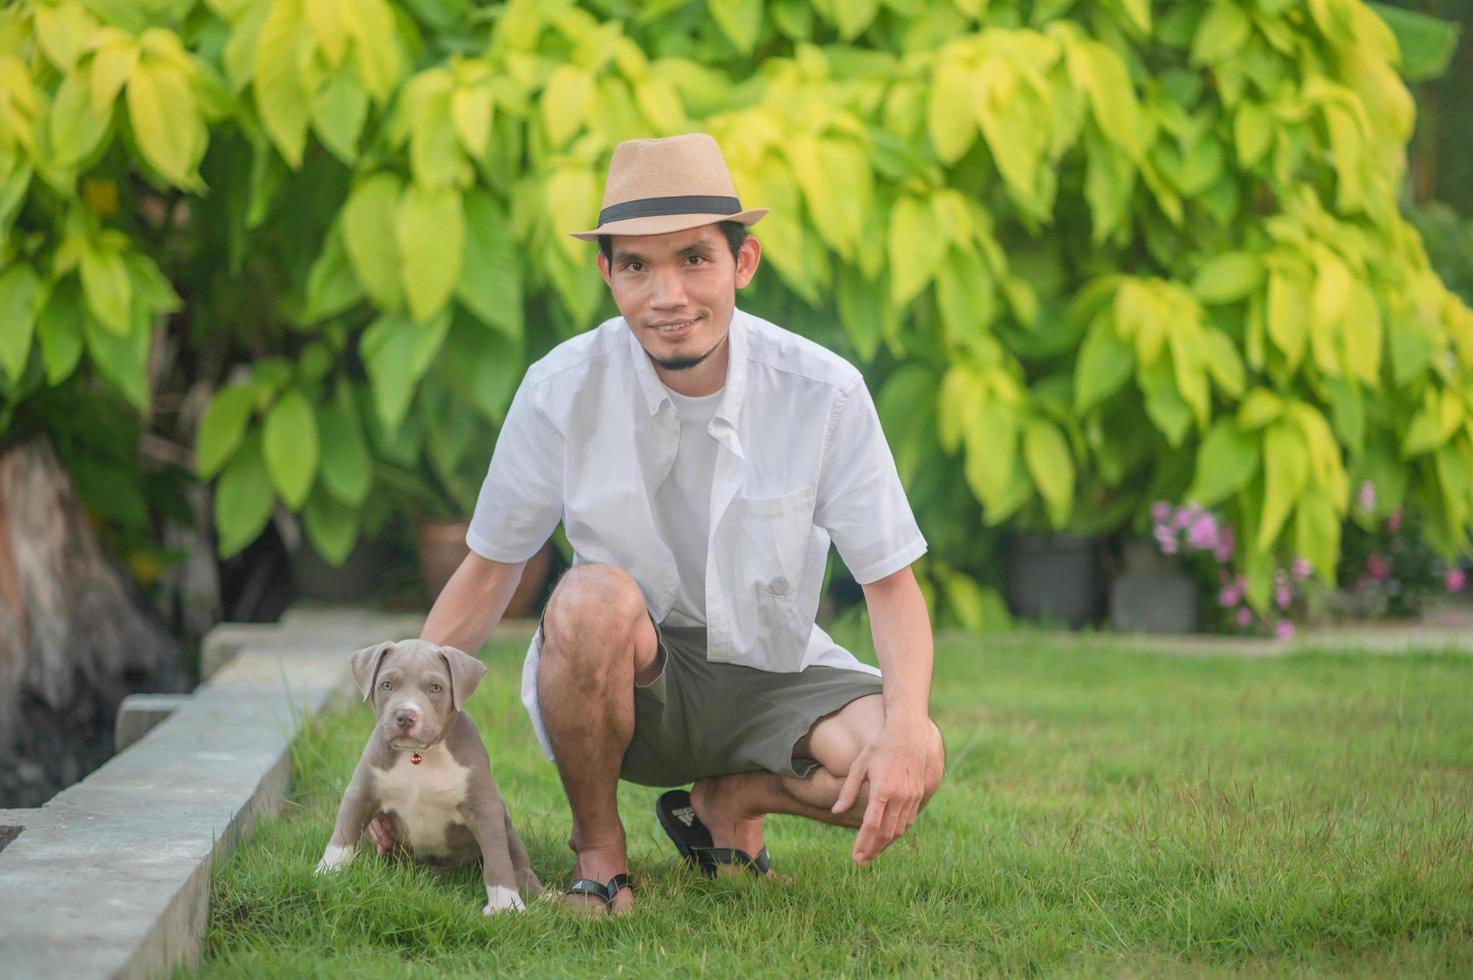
[(416, 758)]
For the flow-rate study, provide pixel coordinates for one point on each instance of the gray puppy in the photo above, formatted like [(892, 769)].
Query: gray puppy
[(426, 770)]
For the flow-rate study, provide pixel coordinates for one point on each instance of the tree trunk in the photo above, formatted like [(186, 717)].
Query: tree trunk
[(75, 636)]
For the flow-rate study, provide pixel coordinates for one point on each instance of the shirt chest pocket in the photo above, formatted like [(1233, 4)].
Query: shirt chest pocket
[(772, 538)]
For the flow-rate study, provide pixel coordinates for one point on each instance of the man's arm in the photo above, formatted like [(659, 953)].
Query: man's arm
[(472, 603), (896, 761)]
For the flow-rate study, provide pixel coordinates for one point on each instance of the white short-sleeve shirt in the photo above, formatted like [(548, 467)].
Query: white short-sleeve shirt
[(801, 460)]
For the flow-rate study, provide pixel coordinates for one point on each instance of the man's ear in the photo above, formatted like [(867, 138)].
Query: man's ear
[(465, 673), (366, 663)]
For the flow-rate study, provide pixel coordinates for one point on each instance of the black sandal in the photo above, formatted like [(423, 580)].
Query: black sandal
[(603, 892), (693, 840)]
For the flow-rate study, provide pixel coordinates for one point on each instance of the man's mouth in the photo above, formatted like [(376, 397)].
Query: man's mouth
[(674, 327)]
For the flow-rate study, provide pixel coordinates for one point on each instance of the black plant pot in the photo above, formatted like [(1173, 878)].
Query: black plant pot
[(1054, 577)]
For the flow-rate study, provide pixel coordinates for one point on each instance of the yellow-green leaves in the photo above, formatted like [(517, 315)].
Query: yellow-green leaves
[(951, 117), (291, 448), (429, 228), (1052, 467), (1221, 33), (108, 288), (565, 103), (222, 427), (243, 498), (838, 186), (281, 97), (166, 121), (368, 222), (916, 248), (1226, 461), (21, 298), (739, 20), (62, 30), (1227, 276)]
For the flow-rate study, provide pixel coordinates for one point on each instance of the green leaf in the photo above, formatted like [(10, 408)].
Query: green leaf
[(108, 288), (347, 470), (75, 128), (1424, 432), (951, 114), (222, 427), (1164, 404), (862, 310), (397, 352), (330, 27), (470, 110), (1105, 364), (243, 498), (992, 463), (490, 283), (62, 30), (1224, 363), (434, 155), (332, 286), (1228, 276), (430, 230), (369, 234), (1052, 467), (1221, 33), (331, 527), (1426, 43), (565, 102), (1099, 71), (59, 330), (111, 66), (21, 296), (290, 446), (1259, 409), (1286, 470), (1252, 132), (1317, 531), (1288, 314), (851, 17), (1227, 460), (966, 296), (166, 121), (338, 111), (739, 20), (376, 45), (916, 248), (280, 97), (122, 361)]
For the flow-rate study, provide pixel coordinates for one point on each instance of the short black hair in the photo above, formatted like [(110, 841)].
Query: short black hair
[(734, 231)]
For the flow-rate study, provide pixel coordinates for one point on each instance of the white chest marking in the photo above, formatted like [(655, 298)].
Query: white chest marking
[(425, 796)]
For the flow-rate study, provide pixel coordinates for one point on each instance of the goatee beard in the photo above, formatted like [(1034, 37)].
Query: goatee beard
[(685, 362)]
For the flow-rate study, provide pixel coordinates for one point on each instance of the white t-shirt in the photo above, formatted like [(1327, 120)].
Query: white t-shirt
[(682, 510)]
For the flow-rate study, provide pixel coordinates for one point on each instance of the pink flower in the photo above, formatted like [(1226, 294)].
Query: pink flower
[(1184, 517), (1245, 616), (1229, 596), (1168, 545), (1455, 580), (1378, 567), (1367, 498), (1301, 569), (1393, 523), (1202, 535), (1160, 511), (1224, 550), (1282, 595), (1283, 629)]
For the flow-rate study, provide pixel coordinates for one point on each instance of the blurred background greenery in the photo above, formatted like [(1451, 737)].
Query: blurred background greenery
[(273, 268)]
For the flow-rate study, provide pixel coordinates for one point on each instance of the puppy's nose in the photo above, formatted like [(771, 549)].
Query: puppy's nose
[(404, 718)]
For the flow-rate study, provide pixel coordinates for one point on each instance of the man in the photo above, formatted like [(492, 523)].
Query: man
[(701, 459)]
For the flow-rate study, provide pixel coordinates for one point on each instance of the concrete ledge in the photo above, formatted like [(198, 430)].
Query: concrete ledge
[(111, 877), (139, 713)]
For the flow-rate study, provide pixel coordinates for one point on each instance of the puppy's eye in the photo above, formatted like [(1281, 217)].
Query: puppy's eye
[(387, 686), (435, 688)]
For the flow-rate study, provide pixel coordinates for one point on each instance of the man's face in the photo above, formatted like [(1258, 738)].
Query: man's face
[(677, 290)]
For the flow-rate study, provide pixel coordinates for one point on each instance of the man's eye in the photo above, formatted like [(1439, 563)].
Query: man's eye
[(698, 258), (435, 688), (387, 685), (635, 266)]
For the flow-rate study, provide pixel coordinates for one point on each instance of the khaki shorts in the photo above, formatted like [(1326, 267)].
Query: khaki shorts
[(698, 718)]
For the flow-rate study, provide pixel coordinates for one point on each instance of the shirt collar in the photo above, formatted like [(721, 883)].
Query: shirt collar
[(729, 408)]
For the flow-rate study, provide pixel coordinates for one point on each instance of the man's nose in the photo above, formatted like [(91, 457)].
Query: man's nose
[(669, 290)]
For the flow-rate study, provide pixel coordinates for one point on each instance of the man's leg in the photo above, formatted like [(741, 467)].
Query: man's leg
[(732, 806), (597, 640)]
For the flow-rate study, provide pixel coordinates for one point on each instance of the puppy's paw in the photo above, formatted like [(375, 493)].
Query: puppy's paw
[(333, 858), (502, 899)]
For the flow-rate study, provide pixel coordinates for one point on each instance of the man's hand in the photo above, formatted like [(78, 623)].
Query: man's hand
[(895, 764)]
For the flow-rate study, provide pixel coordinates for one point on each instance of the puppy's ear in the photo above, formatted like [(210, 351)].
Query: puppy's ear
[(366, 664), (465, 673)]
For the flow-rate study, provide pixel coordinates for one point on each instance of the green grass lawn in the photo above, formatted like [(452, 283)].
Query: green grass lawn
[(1105, 812)]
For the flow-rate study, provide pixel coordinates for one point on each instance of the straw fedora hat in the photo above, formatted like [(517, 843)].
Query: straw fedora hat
[(671, 184)]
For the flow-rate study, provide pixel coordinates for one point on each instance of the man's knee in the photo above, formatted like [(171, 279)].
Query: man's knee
[(593, 610), (935, 765)]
